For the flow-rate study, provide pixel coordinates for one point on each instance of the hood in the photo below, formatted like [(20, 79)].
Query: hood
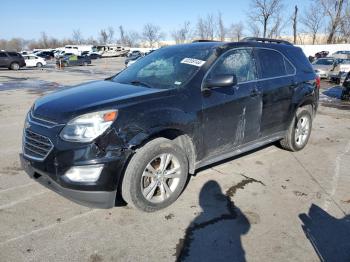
[(322, 67), (66, 104)]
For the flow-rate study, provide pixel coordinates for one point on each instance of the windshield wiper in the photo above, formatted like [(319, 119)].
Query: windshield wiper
[(137, 82)]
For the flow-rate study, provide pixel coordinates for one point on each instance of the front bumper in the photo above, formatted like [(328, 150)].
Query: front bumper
[(98, 199)]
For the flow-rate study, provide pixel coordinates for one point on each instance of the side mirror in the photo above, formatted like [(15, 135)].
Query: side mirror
[(220, 81)]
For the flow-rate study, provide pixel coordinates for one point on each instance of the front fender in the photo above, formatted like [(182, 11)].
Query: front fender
[(153, 122)]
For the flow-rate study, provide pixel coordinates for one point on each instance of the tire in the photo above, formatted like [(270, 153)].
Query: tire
[(85, 63), (14, 66), (145, 190), (298, 135), (39, 65)]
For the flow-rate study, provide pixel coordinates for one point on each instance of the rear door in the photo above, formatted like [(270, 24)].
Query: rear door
[(277, 82)]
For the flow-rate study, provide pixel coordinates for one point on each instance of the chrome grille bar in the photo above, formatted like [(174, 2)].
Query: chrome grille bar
[(36, 146)]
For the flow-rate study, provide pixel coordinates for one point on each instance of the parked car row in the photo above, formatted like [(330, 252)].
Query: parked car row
[(332, 68), (15, 61), (134, 56)]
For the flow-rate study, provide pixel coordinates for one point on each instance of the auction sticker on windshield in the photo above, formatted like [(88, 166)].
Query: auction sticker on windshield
[(192, 61)]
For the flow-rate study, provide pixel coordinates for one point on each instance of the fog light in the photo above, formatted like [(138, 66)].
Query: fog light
[(89, 173)]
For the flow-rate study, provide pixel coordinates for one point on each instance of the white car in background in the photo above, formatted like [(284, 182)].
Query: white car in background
[(34, 61)]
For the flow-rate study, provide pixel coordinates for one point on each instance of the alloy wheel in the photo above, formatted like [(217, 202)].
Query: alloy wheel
[(160, 178), (302, 131)]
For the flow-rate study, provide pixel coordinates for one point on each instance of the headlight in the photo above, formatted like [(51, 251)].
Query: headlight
[(86, 128)]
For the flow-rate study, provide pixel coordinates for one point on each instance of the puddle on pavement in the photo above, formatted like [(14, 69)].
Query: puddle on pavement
[(39, 87), (331, 98)]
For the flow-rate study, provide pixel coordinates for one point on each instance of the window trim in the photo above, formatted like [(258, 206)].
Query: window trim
[(256, 61)]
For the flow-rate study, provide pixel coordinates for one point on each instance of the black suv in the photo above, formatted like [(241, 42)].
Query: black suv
[(11, 60), (137, 135)]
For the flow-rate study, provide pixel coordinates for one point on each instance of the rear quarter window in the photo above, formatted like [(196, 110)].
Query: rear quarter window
[(13, 54), (299, 60)]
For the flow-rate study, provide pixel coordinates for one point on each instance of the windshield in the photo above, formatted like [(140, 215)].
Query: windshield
[(324, 62), (166, 68)]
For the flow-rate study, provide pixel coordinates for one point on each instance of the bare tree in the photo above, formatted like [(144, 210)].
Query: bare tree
[(295, 21), (122, 35), (14, 44), (151, 34), (345, 26), (206, 27), (110, 32), (255, 29), (133, 39), (334, 10), (44, 40), (277, 26), (126, 38), (263, 12), (77, 37), (312, 20), (103, 36), (221, 30), (236, 31), (182, 34)]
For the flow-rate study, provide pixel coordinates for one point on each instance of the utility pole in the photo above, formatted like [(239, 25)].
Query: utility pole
[(295, 20)]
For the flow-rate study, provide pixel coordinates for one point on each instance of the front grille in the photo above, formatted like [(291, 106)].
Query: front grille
[(36, 146)]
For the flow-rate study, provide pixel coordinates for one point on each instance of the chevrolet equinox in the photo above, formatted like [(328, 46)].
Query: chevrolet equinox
[(137, 136)]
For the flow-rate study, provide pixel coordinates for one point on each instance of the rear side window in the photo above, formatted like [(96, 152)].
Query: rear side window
[(13, 54), (3, 55), (272, 63)]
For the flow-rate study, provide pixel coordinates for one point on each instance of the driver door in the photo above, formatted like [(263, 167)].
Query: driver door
[(231, 115)]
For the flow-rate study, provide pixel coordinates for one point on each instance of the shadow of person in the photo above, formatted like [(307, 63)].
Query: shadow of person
[(329, 236), (215, 235)]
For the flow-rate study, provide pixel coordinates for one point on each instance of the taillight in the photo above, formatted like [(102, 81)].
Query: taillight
[(318, 82)]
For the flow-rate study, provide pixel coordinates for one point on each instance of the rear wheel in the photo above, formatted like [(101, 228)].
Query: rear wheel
[(14, 66), (155, 175), (299, 131), (39, 65)]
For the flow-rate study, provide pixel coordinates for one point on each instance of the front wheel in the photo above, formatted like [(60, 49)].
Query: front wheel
[(155, 175), (299, 131), (39, 65)]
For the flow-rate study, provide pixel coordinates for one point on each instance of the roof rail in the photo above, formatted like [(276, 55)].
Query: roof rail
[(265, 40), (203, 40)]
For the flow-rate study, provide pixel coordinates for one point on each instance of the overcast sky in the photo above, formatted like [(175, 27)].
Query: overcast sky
[(28, 18)]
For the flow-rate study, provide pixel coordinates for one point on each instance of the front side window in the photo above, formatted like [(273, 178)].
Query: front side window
[(238, 62), (166, 68)]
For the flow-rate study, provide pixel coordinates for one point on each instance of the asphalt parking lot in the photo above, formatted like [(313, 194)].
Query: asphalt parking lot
[(267, 205)]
